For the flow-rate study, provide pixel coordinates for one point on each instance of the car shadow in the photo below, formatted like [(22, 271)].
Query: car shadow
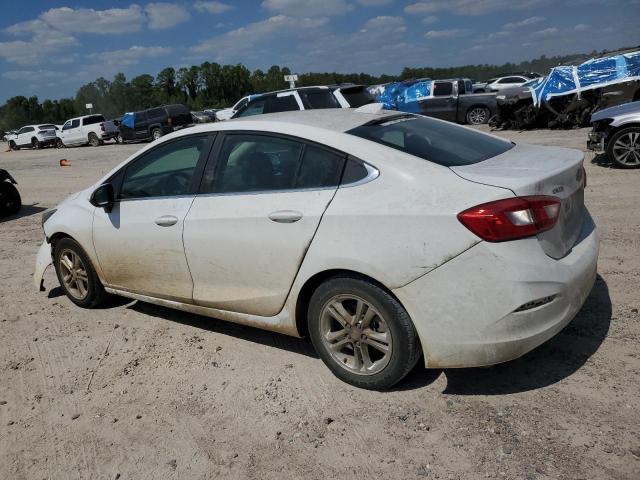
[(112, 301), (602, 160), (551, 362), (250, 334), (25, 211)]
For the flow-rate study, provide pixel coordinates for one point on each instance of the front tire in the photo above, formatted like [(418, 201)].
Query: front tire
[(119, 139), (623, 148), (478, 115), (362, 333), (94, 141), (76, 275), (13, 146), (10, 201)]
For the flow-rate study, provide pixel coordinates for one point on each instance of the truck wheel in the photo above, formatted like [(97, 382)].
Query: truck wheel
[(35, 144), (59, 143), (478, 115), (13, 146), (10, 201), (94, 141), (119, 139), (623, 148), (156, 133)]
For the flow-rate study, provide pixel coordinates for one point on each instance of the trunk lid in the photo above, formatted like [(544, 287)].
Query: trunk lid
[(534, 170)]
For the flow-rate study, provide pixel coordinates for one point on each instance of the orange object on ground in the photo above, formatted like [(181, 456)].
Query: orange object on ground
[(65, 163)]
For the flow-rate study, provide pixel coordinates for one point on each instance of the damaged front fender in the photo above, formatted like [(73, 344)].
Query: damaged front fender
[(43, 260)]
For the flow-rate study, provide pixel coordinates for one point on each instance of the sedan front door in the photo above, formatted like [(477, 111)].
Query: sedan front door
[(139, 242), (250, 227)]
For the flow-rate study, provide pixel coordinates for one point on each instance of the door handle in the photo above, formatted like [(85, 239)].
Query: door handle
[(166, 220), (285, 216)]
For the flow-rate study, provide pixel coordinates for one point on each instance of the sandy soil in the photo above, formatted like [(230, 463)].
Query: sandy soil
[(180, 396)]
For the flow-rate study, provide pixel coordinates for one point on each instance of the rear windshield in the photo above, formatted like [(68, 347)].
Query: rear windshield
[(437, 141), (320, 99), (47, 127), (93, 119), (357, 96)]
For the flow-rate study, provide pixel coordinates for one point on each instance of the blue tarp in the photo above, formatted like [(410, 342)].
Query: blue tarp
[(595, 73), (403, 96), (128, 119)]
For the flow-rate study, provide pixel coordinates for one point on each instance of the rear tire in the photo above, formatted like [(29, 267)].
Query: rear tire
[(478, 115), (623, 148), (362, 333), (76, 275), (35, 144), (10, 201), (119, 139), (156, 133), (94, 141)]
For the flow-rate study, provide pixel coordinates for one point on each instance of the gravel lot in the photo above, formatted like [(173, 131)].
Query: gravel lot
[(175, 395)]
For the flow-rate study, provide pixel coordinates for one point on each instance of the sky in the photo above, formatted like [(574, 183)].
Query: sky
[(49, 48)]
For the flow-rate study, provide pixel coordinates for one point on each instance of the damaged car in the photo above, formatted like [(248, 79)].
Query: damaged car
[(283, 222), (10, 201), (616, 131), (569, 95)]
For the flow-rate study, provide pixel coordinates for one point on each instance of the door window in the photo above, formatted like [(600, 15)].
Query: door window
[(442, 89), (23, 130), (67, 125), (164, 171), (75, 123), (286, 103), (254, 108)]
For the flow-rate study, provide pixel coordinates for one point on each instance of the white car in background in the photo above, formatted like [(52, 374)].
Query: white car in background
[(384, 236), (227, 113), (500, 83), (89, 129), (33, 136)]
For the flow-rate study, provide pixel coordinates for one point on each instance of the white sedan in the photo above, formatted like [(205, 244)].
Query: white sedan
[(383, 236)]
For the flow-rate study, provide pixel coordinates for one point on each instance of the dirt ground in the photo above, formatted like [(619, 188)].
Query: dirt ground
[(179, 396)]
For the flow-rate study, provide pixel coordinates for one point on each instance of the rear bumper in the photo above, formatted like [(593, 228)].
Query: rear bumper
[(108, 135), (465, 310), (48, 142)]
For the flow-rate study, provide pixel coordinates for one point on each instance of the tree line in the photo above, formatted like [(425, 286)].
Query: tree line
[(211, 85)]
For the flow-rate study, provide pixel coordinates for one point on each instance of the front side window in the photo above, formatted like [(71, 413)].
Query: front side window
[(439, 142), (75, 123), (442, 89), (320, 99), (23, 130), (285, 103), (254, 108), (164, 171), (67, 125)]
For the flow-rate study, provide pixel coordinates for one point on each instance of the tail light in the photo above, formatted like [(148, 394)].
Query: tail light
[(170, 122), (512, 218), (102, 127)]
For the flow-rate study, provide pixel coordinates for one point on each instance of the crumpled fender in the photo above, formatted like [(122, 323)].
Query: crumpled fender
[(43, 260)]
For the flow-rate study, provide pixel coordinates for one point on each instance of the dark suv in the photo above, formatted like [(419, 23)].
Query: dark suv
[(153, 122)]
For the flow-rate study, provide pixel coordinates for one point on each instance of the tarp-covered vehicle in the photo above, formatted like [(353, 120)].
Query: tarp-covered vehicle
[(10, 201), (445, 99), (568, 96)]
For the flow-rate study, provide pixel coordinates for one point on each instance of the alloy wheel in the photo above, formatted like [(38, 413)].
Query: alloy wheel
[(626, 149), (74, 274), (355, 334), (477, 116)]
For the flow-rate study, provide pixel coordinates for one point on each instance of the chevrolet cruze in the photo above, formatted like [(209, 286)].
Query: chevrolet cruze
[(385, 237)]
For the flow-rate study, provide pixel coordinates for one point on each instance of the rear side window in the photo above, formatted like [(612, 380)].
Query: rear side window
[(353, 172), (140, 116), (441, 89), (320, 168), (439, 142), (75, 123), (155, 113), (320, 99), (93, 119), (357, 96), (286, 103)]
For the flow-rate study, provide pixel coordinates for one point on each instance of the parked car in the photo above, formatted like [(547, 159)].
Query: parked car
[(153, 123), (227, 113), (381, 235), (33, 136), (450, 99), (89, 129), (616, 131), (301, 98), (10, 201), (498, 84)]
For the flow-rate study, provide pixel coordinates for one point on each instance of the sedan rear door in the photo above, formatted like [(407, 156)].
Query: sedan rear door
[(247, 232)]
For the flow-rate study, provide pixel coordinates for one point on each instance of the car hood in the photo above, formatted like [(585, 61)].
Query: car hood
[(624, 109)]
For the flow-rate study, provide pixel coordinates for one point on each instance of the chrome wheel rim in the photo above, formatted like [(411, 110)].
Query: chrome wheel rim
[(355, 334), (156, 134), (74, 274), (477, 116), (626, 149)]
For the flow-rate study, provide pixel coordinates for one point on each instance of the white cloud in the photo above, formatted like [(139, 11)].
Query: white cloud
[(129, 56), (88, 20), (249, 39), (165, 15), (581, 27), (451, 33), (470, 7), (44, 41), (374, 3), (307, 8), (212, 7), (34, 75), (395, 24), (430, 20), (523, 23), (547, 32)]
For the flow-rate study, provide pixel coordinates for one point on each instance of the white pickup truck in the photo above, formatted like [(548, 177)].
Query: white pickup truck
[(90, 129)]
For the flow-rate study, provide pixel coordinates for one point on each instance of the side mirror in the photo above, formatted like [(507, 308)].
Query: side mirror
[(103, 197)]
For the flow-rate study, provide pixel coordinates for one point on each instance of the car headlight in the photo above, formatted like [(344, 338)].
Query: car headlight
[(47, 214)]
